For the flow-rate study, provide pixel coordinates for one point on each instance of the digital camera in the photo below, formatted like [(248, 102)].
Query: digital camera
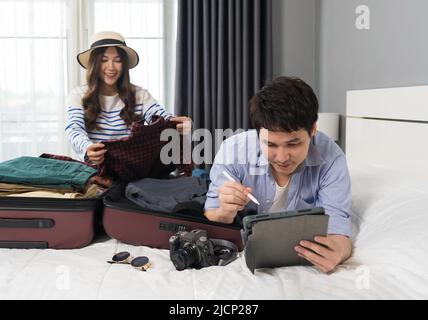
[(192, 249)]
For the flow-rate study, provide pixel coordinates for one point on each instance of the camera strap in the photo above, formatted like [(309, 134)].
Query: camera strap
[(225, 251)]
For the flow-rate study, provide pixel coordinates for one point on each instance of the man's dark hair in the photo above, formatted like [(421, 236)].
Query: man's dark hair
[(287, 104)]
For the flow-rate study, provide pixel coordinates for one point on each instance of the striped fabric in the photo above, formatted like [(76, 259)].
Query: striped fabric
[(110, 124)]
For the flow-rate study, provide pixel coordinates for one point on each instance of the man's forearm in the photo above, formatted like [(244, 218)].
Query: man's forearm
[(216, 215)]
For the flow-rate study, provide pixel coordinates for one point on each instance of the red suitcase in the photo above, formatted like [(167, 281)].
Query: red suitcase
[(48, 222), (125, 221)]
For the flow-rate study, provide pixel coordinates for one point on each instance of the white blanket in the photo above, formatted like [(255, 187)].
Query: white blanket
[(389, 261)]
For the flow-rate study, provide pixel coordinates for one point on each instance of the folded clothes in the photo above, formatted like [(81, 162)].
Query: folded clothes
[(166, 195), (9, 188), (91, 193), (100, 179), (46, 173)]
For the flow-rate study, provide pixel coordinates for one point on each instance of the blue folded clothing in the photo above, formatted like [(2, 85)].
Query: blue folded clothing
[(165, 195)]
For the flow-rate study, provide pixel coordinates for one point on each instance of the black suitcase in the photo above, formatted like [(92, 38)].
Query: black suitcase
[(48, 222)]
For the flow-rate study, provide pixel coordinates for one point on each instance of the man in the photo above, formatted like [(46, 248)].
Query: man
[(285, 164)]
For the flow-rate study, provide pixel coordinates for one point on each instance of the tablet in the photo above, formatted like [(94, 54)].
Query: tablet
[(270, 238), (249, 221)]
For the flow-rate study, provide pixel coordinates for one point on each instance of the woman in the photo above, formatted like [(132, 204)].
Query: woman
[(105, 107)]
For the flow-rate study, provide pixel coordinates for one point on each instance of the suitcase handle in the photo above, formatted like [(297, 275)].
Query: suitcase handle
[(23, 245), (27, 223)]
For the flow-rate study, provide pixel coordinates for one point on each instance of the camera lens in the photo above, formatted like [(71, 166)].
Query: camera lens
[(185, 257)]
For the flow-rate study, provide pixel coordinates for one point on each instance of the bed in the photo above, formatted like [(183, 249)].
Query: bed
[(385, 139)]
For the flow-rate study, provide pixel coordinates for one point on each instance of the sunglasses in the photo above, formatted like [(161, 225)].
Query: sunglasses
[(140, 263)]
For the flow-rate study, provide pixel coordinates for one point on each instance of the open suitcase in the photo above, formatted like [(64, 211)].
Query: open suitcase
[(48, 222), (126, 221)]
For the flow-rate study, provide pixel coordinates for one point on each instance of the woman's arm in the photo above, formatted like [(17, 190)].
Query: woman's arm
[(152, 108), (75, 128)]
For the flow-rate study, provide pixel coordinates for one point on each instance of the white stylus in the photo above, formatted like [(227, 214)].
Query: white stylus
[(249, 195)]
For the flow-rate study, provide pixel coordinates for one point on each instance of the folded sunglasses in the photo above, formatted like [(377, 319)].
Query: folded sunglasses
[(140, 263)]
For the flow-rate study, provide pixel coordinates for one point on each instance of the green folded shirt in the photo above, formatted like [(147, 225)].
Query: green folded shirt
[(46, 173)]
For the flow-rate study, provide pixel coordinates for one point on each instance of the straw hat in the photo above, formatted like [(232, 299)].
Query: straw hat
[(108, 39)]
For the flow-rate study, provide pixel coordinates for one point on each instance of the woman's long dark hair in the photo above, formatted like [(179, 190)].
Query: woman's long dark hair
[(125, 89)]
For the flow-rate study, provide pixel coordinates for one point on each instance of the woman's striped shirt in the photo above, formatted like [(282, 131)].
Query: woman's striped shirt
[(109, 123)]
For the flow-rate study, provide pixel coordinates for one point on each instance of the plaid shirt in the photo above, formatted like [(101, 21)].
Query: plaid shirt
[(138, 155)]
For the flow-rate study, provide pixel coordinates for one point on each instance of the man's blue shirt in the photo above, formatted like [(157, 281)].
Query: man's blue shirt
[(321, 180)]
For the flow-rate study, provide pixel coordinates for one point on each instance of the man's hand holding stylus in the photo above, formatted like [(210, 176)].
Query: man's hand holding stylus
[(233, 197)]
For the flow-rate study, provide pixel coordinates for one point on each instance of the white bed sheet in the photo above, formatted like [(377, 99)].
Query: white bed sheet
[(390, 260)]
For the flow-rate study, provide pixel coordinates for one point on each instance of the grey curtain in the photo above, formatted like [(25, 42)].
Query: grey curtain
[(224, 55)]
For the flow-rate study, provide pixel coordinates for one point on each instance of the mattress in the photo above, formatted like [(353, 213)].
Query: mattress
[(389, 261)]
